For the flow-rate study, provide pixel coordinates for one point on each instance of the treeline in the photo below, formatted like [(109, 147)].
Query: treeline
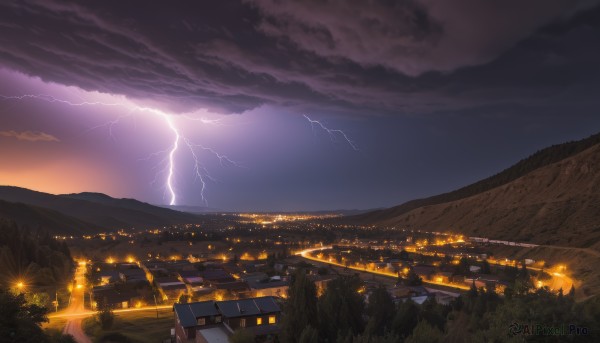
[(34, 258), (342, 315), (20, 321), (538, 160)]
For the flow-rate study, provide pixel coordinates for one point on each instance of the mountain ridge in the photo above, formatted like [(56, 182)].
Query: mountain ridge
[(539, 159), (555, 203), (84, 212)]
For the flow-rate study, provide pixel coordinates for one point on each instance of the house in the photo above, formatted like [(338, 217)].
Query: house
[(237, 289), (170, 287), (214, 321), (444, 297), (132, 275), (212, 277), (321, 281), (190, 277), (424, 271), (108, 277), (443, 277), (474, 269), (113, 298), (275, 286), (253, 277)]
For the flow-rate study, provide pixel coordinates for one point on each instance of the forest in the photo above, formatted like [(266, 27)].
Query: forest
[(33, 259), (522, 314)]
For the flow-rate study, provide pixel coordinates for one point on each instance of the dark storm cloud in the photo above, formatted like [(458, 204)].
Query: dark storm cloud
[(411, 37), (360, 57)]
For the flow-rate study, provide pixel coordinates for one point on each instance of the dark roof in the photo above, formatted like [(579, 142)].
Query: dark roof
[(248, 307), (134, 273), (188, 314), (232, 286), (188, 273), (166, 279), (110, 273), (112, 296), (174, 287), (267, 284), (215, 274)]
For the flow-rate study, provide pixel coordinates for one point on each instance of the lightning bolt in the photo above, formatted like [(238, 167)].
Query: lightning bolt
[(201, 172), (332, 132)]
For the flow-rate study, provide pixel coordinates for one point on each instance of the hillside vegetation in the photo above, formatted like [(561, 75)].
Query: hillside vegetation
[(552, 197), (84, 212), (541, 158)]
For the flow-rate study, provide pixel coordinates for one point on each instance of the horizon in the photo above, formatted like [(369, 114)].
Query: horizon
[(218, 210), (244, 113)]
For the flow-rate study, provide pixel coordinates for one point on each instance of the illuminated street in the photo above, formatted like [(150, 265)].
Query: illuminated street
[(76, 308), (305, 254)]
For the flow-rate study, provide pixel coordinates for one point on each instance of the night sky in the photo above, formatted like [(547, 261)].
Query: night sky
[(430, 95)]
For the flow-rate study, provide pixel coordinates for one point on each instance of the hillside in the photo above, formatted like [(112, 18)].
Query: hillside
[(84, 212), (552, 197), (52, 221)]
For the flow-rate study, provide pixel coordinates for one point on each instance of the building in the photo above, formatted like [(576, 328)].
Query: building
[(275, 286), (113, 298), (170, 287), (213, 321)]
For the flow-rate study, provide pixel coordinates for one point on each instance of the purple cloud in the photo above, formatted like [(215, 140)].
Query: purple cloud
[(29, 136)]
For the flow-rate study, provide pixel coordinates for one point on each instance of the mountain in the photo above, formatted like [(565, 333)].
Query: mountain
[(83, 212), (551, 197)]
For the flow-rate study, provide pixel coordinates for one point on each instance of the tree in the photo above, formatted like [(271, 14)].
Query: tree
[(309, 335), (19, 321), (380, 310), (413, 279), (406, 318), (58, 337), (572, 292), (485, 267), (301, 307), (341, 309), (425, 333), (241, 336), (523, 273), (183, 299), (105, 317)]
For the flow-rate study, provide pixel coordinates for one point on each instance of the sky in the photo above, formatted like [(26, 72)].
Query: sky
[(289, 106)]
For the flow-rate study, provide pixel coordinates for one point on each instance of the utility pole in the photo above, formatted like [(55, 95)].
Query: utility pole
[(56, 300), (155, 305)]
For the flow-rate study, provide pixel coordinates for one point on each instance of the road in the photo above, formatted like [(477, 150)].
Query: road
[(306, 254), (75, 308), (558, 280)]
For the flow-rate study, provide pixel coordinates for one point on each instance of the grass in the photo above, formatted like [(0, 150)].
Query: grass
[(140, 326), (55, 324)]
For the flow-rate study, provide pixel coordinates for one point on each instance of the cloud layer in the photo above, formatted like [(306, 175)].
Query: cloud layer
[(358, 57), (29, 136)]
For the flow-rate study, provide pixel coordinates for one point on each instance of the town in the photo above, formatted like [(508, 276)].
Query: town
[(204, 272)]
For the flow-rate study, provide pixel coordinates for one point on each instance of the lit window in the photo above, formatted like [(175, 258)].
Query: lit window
[(258, 321), (272, 319), (201, 321), (218, 319), (243, 322)]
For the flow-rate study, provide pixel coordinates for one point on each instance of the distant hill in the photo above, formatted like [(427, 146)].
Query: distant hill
[(83, 212), (551, 197)]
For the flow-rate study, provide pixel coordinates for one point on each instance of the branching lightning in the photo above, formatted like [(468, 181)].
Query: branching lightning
[(200, 171), (332, 132)]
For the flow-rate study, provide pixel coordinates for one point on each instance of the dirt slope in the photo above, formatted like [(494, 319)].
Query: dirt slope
[(558, 204)]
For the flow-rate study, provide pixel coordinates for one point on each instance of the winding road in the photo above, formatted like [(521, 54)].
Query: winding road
[(75, 312)]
